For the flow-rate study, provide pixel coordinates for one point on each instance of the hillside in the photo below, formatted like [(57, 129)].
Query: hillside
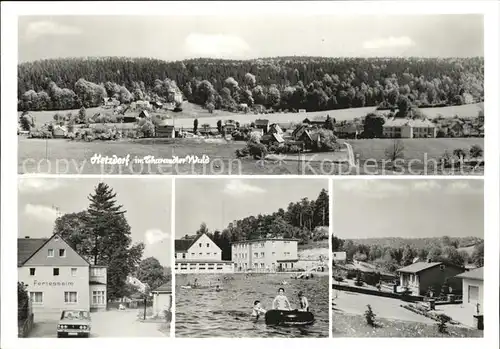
[(281, 83), (462, 243)]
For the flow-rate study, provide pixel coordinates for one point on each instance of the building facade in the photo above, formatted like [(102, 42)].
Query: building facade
[(421, 277), (339, 256), (265, 255), (58, 278), (200, 255), (162, 301), (407, 128)]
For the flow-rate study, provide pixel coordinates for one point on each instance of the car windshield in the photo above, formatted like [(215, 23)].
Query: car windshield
[(75, 315)]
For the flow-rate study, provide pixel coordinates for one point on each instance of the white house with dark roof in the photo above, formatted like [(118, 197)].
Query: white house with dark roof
[(200, 255), (408, 128), (473, 288), (58, 278)]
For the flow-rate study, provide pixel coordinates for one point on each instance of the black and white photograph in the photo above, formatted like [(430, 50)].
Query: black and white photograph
[(94, 258), (408, 258), (235, 95), (251, 258)]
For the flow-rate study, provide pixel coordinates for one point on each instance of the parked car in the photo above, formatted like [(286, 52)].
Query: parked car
[(74, 323)]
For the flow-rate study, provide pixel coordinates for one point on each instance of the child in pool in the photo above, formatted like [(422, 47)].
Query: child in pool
[(257, 310)]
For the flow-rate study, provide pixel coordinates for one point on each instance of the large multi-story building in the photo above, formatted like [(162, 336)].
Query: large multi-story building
[(265, 255), (200, 255), (58, 278)]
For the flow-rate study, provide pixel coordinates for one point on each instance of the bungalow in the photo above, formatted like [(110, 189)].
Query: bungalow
[(262, 124), (163, 130), (144, 114), (421, 277), (408, 128), (340, 257), (59, 131), (311, 139), (473, 288)]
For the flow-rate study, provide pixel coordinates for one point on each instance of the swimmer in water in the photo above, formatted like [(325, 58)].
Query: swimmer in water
[(257, 310), (281, 302), (217, 288)]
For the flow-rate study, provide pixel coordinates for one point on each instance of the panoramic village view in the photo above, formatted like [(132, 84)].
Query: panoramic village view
[(90, 267), (206, 105), (253, 270), (412, 270)]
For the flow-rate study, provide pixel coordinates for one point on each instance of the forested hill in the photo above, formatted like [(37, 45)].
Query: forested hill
[(399, 242), (314, 83)]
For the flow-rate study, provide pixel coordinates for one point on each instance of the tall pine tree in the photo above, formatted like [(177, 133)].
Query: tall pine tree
[(103, 236)]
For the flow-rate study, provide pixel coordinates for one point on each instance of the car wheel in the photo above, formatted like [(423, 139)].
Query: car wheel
[(59, 335)]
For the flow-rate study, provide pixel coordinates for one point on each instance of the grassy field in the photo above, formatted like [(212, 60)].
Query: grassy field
[(415, 150), (191, 111), (348, 325)]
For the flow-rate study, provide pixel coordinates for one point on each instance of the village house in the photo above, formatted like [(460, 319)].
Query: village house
[(58, 278), (408, 128), (157, 105), (142, 105), (164, 130), (59, 131), (229, 127), (162, 300), (175, 95), (421, 277), (473, 288), (265, 255), (200, 255), (109, 102), (318, 120), (349, 130), (144, 114), (262, 124)]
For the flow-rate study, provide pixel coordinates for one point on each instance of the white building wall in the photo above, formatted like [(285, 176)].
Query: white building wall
[(465, 289), (203, 268), (53, 288)]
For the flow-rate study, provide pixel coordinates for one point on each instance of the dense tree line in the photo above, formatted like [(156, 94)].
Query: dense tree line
[(102, 235), (391, 254), (286, 83), (301, 220)]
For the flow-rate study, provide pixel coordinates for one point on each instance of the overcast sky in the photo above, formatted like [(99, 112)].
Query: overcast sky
[(180, 37), (408, 208), (147, 203), (217, 202)]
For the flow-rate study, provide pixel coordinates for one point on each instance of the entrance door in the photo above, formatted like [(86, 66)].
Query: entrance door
[(473, 294)]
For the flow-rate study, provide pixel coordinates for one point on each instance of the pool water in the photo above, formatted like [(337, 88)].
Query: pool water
[(227, 313)]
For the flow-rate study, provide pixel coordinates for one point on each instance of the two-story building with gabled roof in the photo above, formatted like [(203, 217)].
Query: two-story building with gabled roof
[(58, 278), (200, 255)]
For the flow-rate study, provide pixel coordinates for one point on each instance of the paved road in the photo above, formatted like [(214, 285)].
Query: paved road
[(355, 303), (112, 323)]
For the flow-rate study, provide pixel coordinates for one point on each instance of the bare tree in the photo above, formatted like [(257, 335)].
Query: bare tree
[(395, 151)]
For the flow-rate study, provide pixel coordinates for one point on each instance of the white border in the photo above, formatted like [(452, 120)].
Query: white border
[(11, 10)]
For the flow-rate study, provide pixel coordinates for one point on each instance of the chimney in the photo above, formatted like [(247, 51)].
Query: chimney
[(429, 260), (26, 237)]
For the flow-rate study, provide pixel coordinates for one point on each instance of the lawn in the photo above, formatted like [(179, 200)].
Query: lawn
[(415, 150), (348, 325)]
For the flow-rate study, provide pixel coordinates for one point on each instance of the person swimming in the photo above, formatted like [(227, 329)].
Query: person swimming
[(257, 310), (281, 302), (303, 302)]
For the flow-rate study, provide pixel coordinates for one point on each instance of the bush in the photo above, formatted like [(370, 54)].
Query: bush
[(242, 153), (148, 129), (257, 150), (446, 159), (351, 274), (442, 320), (22, 301), (370, 316)]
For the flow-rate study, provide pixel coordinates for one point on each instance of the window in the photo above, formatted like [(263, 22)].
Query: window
[(192, 253), (183, 256), (262, 254), (262, 265), (98, 297), (199, 244), (32, 271), (208, 253), (55, 272), (200, 254), (36, 297), (256, 255), (208, 245), (73, 271), (62, 252), (50, 253), (96, 271), (70, 297), (274, 253)]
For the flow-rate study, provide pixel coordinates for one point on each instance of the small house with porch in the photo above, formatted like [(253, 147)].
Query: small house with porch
[(422, 277)]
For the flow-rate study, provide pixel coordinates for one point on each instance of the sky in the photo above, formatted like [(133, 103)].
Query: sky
[(243, 37), (217, 202), (147, 203), (408, 208)]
